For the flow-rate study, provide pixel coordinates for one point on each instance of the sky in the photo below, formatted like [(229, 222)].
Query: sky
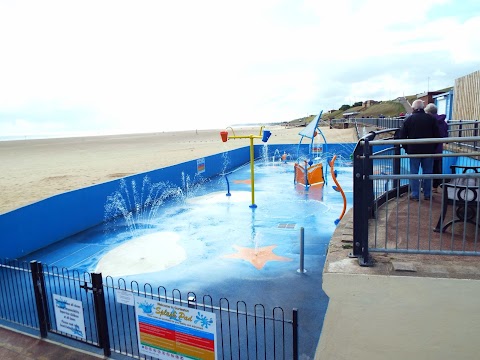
[(100, 67)]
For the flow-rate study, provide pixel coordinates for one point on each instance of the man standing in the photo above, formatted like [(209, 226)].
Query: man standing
[(420, 125)]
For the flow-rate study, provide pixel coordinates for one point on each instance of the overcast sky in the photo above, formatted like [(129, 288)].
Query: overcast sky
[(141, 66)]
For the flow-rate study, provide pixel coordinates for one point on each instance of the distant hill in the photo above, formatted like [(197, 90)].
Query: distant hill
[(390, 108)]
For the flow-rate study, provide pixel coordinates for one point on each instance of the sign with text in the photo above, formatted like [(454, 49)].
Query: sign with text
[(168, 331), (69, 316), (124, 297), (200, 165)]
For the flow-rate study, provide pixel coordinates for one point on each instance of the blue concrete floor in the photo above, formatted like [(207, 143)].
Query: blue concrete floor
[(217, 232)]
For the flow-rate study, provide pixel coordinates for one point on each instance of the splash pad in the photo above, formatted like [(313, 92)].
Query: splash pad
[(228, 250)]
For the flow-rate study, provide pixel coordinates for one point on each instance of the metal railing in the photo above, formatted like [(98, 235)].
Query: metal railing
[(30, 295), (386, 219), (379, 123), (17, 300), (457, 128), (243, 332)]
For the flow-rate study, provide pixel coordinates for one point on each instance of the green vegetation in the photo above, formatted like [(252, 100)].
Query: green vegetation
[(389, 108), (383, 108)]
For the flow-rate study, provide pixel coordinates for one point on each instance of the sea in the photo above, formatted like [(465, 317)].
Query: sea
[(61, 135)]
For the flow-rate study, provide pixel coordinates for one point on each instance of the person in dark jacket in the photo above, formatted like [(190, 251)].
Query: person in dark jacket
[(432, 110), (420, 125)]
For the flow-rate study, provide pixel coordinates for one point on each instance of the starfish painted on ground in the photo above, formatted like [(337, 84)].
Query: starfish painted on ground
[(246, 181), (257, 257)]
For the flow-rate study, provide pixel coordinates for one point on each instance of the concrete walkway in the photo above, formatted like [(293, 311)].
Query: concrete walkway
[(15, 345)]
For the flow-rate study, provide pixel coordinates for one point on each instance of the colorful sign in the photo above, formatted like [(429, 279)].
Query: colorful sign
[(168, 331), (69, 316), (317, 148), (200, 165)]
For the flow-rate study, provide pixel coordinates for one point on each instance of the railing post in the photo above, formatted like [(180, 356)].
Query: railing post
[(396, 167), (40, 297), (295, 333), (100, 313), (361, 202), (368, 184), (475, 133)]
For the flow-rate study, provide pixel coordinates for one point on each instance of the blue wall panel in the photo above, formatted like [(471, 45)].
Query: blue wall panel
[(43, 223), (40, 224), (341, 150)]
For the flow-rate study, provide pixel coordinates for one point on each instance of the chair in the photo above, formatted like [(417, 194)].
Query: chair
[(464, 195)]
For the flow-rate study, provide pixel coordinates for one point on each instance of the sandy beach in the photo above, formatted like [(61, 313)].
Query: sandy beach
[(32, 170)]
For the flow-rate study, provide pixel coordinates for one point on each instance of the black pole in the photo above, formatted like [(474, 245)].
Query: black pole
[(396, 168), (295, 333), (358, 202), (40, 297), (363, 199), (367, 199), (100, 313)]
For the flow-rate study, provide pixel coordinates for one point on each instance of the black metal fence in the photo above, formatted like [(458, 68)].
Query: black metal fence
[(31, 295), (17, 300), (385, 220)]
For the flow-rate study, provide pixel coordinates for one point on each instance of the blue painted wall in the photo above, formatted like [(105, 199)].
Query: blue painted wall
[(341, 150), (40, 224), (43, 223), (448, 98)]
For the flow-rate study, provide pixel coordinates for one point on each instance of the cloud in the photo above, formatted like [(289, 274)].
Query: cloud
[(161, 65)]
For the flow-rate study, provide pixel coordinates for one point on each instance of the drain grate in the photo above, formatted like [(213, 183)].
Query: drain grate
[(286, 226)]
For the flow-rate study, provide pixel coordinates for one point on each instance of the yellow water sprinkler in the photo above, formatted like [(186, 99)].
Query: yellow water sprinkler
[(264, 135)]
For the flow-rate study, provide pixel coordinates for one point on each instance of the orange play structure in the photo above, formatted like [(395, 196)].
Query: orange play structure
[(309, 175)]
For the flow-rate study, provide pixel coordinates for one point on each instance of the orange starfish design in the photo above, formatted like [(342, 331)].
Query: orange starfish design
[(246, 181), (257, 257)]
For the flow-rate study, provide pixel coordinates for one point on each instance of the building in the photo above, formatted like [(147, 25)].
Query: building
[(444, 103), (368, 103), (466, 103), (428, 96), (348, 115)]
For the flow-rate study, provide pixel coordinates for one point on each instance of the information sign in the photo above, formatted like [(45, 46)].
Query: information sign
[(69, 316), (200, 165), (124, 297), (168, 331)]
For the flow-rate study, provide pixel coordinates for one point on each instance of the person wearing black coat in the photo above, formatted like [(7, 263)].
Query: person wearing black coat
[(420, 125)]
